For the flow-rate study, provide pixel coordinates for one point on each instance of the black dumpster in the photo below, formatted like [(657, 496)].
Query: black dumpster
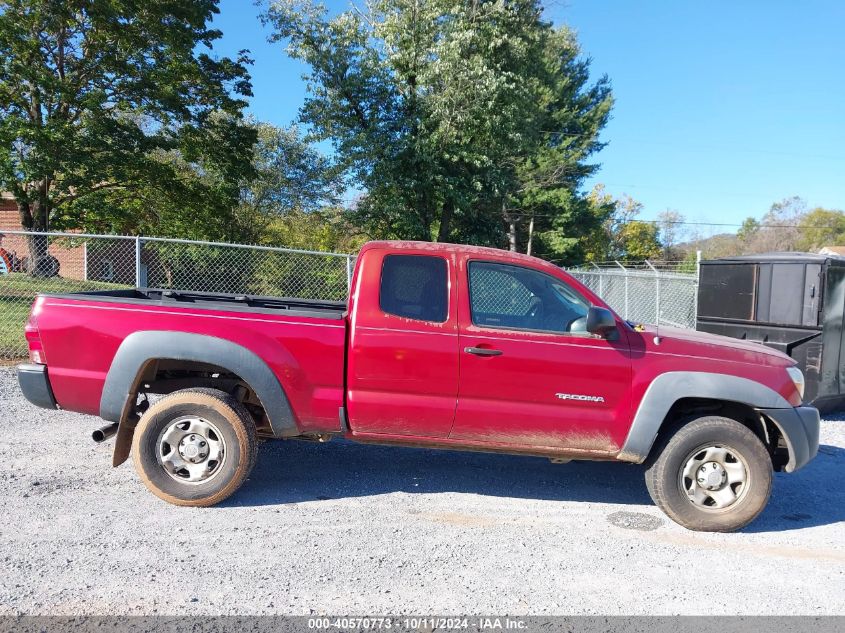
[(793, 302)]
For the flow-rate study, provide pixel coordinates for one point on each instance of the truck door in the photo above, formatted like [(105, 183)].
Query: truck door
[(530, 373), (403, 349)]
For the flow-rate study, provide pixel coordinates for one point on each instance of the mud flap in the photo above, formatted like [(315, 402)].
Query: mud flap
[(123, 441)]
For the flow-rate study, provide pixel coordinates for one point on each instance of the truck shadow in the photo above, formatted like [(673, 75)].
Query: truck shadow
[(813, 496), (293, 472)]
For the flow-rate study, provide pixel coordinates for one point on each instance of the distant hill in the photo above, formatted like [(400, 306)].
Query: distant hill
[(720, 245)]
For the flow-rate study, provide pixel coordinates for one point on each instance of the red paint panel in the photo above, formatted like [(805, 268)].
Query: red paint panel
[(513, 397), (403, 373), (83, 335), (687, 350)]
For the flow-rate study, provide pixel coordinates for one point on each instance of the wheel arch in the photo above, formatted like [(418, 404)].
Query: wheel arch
[(141, 350), (673, 393)]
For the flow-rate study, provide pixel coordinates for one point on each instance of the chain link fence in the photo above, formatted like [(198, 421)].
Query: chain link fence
[(647, 292), (496, 292), (32, 263)]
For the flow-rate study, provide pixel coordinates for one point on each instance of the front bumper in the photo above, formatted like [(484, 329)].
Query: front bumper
[(800, 429), (36, 385)]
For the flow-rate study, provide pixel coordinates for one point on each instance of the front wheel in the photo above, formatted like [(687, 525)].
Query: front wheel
[(712, 475), (195, 447)]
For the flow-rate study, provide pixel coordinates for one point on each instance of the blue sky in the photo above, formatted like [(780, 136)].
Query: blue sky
[(721, 107)]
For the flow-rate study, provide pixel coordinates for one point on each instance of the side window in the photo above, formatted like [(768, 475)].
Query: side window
[(415, 287), (503, 296)]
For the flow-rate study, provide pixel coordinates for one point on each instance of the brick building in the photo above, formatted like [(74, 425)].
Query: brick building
[(72, 260), (9, 218)]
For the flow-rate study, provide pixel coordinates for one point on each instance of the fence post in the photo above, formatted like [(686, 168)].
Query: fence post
[(349, 273), (625, 274), (695, 289), (137, 261), (657, 294), (601, 280)]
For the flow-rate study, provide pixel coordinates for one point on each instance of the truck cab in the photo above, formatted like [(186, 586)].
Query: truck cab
[(479, 347)]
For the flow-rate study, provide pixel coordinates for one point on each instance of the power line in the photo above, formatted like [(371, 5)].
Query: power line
[(730, 194), (715, 224), (759, 225), (527, 216), (687, 223)]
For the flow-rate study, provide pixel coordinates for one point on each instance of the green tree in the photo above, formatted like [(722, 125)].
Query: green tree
[(640, 240), (190, 200), (748, 230), (608, 242), (326, 229), (689, 264), (821, 227), (547, 202), (777, 230), (460, 120), (291, 179), (670, 224), (117, 96)]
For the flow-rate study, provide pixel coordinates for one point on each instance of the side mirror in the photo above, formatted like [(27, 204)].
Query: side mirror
[(600, 321)]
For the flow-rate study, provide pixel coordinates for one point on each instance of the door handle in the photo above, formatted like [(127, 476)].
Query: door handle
[(482, 351)]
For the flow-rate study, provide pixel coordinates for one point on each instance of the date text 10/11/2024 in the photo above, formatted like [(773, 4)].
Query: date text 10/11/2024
[(417, 623)]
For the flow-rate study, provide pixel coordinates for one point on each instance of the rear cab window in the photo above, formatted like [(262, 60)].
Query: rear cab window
[(415, 287)]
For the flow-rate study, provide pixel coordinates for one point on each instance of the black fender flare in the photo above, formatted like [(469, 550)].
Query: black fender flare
[(140, 348), (665, 390)]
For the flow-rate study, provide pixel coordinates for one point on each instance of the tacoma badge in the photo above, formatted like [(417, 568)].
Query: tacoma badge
[(575, 396)]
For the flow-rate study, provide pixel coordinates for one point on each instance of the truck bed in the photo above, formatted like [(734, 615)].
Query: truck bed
[(301, 340), (217, 301)]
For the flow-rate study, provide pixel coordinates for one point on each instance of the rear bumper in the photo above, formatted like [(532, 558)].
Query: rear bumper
[(35, 385), (800, 428)]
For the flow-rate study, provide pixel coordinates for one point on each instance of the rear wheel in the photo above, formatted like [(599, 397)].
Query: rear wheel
[(195, 447), (713, 474)]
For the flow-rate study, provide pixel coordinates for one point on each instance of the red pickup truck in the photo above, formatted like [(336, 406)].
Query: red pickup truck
[(439, 346)]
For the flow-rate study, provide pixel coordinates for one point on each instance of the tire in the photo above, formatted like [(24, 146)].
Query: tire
[(723, 497), (206, 426)]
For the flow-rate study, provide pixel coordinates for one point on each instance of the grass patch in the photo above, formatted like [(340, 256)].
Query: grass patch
[(23, 285), (13, 315), (17, 292)]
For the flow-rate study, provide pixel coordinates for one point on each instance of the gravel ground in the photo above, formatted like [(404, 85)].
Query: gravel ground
[(342, 528)]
